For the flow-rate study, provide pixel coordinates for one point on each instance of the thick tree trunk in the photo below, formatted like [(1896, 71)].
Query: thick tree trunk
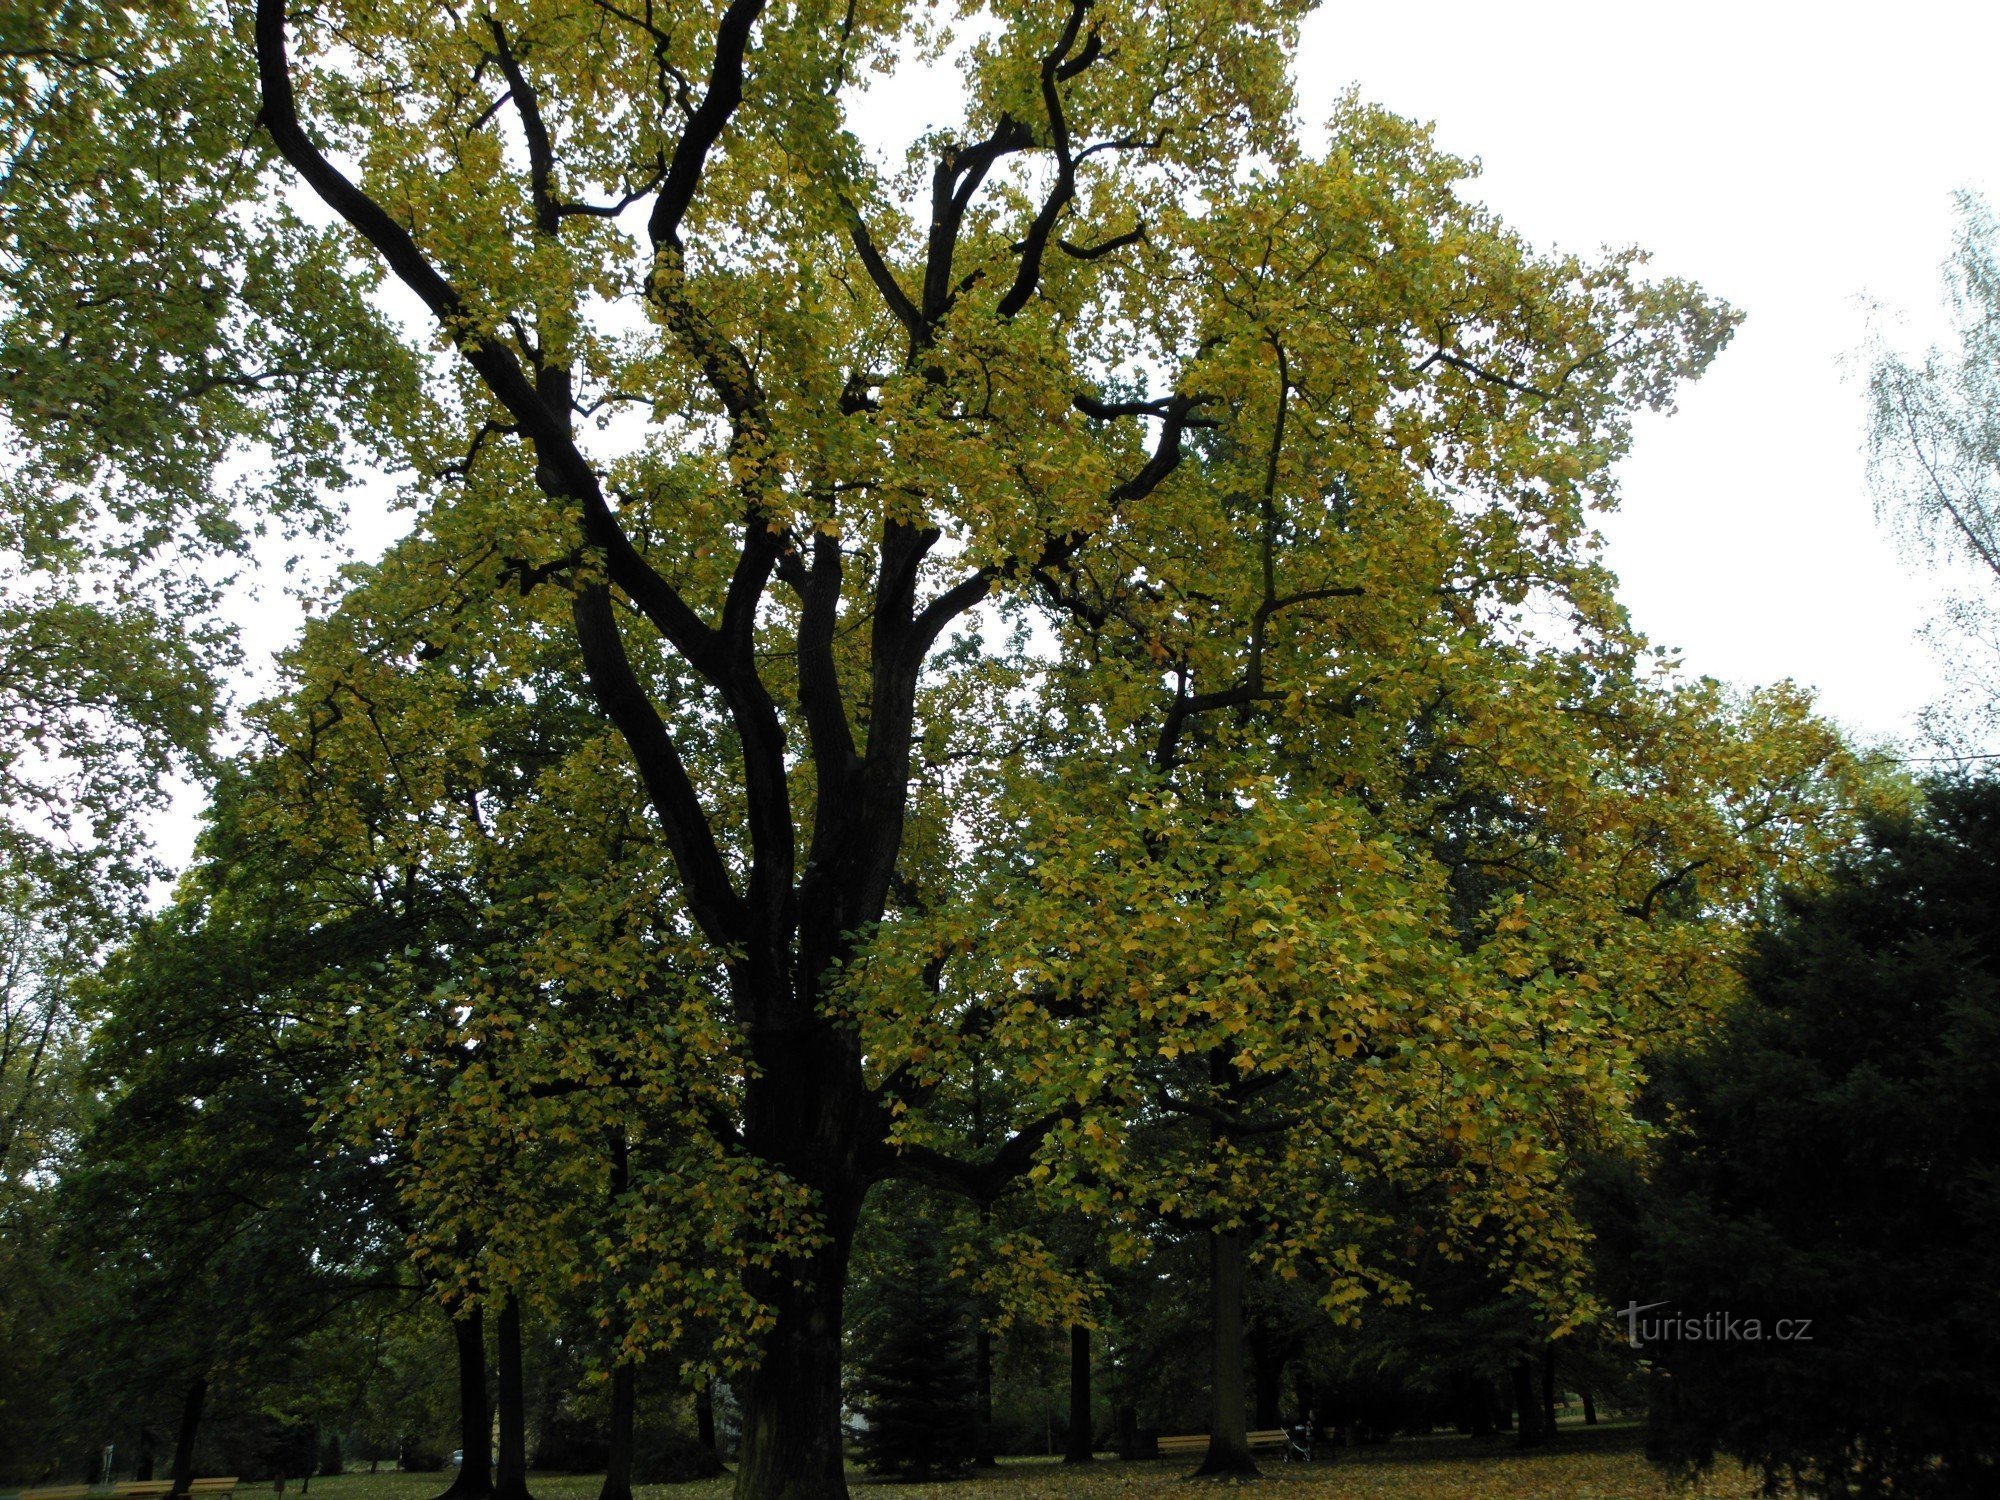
[(791, 1446), (1526, 1427), (510, 1478), (618, 1467), (1080, 1450), (474, 1480), (1589, 1408), (704, 1417), (1228, 1437), (143, 1470), (191, 1404), (808, 1112)]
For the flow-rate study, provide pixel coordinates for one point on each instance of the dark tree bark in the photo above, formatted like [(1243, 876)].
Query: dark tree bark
[(1126, 1420), (1267, 1368), (1589, 1408), (1228, 1436), (143, 1469), (1548, 1427), (618, 1467), (983, 1456), (1079, 1450), (624, 1378), (1527, 1429), (474, 1480), (704, 1417), (191, 1404), (510, 1478), (791, 1447)]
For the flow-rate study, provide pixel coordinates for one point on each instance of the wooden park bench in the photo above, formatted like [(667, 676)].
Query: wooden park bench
[(142, 1489), (1193, 1443), (212, 1489), (57, 1492)]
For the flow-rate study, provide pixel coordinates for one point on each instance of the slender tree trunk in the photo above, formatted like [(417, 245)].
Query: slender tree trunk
[(618, 1467), (1548, 1392), (1480, 1405), (1267, 1369), (191, 1404), (704, 1417), (1080, 1434), (1589, 1408), (1525, 1405), (982, 1417), (1228, 1437), (474, 1480), (510, 1479), (143, 1470), (624, 1377)]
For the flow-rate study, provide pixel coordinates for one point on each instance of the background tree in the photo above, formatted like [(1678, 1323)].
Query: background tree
[(1831, 1159), (1934, 462), (913, 1353)]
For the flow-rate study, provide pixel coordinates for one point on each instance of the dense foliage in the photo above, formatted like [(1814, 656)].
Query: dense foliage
[(1833, 1168)]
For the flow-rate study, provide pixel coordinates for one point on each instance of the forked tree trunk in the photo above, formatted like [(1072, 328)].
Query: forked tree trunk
[(510, 1479), (191, 1404), (1079, 1450), (474, 1480), (618, 1467), (1228, 1437)]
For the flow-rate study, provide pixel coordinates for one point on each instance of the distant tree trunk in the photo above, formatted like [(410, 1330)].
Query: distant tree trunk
[(618, 1467), (704, 1417), (1080, 1434), (1126, 1420), (982, 1410), (1267, 1371), (624, 1377), (191, 1404), (1228, 1437), (474, 1480), (1481, 1405), (1526, 1433), (1548, 1392), (143, 1469), (510, 1479), (1589, 1408)]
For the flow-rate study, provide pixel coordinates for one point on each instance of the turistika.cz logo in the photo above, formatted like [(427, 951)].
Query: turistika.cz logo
[(1707, 1328)]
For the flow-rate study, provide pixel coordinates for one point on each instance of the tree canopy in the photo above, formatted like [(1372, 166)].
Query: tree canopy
[(932, 662)]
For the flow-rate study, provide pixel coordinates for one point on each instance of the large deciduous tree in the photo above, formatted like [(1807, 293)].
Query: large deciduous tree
[(1272, 468)]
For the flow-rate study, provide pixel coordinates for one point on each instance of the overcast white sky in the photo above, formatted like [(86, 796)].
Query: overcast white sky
[(1792, 158)]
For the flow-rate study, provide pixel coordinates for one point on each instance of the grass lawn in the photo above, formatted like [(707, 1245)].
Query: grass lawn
[(1604, 1464)]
